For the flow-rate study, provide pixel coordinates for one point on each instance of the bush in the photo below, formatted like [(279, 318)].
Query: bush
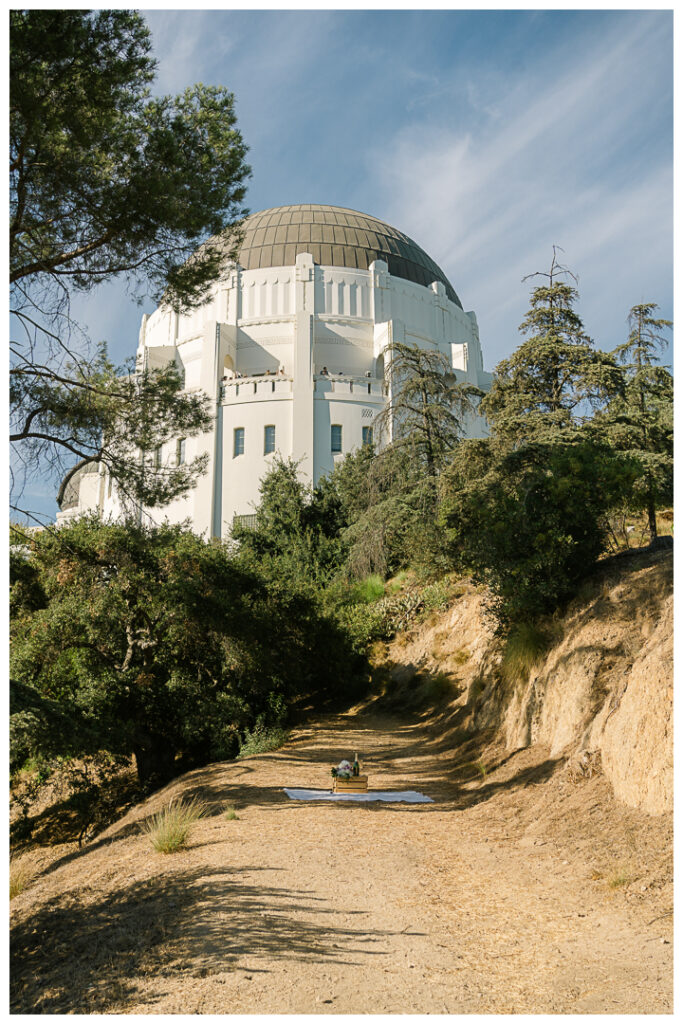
[(363, 624), (168, 830), (262, 738), (368, 590), (530, 523)]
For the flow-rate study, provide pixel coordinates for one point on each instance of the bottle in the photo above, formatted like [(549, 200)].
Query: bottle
[(356, 766)]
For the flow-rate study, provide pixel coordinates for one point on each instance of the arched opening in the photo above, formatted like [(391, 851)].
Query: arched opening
[(228, 368)]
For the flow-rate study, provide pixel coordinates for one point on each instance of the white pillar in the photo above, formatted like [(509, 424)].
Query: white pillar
[(302, 388)]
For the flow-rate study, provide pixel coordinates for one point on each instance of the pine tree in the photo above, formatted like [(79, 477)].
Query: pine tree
[(640, 419), (108, 181), (426, 406), (548, 386)]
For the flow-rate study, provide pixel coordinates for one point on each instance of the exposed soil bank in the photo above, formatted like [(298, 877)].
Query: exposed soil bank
[(602, 693)]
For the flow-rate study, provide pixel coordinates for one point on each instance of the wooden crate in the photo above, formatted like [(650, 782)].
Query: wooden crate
[(356, 784)]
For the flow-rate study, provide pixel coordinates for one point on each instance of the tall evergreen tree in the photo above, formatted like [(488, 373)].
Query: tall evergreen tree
[(427, 405), (548, 386), (640, 419)]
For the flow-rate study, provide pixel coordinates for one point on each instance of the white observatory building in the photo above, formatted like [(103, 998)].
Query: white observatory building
[(290, 347)]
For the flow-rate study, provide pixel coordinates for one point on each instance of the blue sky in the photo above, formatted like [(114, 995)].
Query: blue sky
[(486, 136)]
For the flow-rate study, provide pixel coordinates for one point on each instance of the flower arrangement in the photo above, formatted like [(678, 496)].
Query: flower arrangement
[(344, 770)]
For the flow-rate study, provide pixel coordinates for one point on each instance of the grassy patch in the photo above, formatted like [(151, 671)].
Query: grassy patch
[(620, 878), (476, 769), (461, 656), (262, 739), (230, 814), (168, 830), (525, 646), (20, 876), (369, 590)]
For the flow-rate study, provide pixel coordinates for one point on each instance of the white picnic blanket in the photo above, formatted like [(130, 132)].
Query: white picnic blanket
[(408, 796)]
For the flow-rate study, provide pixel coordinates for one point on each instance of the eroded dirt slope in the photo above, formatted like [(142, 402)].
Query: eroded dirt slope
[(516, 891)]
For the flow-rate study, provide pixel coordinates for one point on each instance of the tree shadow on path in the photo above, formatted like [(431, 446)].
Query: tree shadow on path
[(75, 956)]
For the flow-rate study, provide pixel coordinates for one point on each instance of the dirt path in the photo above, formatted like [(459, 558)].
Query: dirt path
[(503, 896)]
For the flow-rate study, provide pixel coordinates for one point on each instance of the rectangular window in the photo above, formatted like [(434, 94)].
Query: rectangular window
[(180, 451), (336, 437), (367, 435), (268, 440), (157, 457), (238, 442)]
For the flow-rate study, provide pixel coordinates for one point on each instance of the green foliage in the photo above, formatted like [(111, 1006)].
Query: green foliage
[(106, 180), (296, 536), (426, 407), (549, 384), (370, 589), (169, 829), (162, 645), (363, 624), (529, 523), (230, 814), (262, 739), (387, 511), (438, 595), (639, 420)]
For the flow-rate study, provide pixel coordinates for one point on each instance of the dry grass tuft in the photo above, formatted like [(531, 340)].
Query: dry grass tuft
[(620, 878), (230, 814), (168, 830), (20, 876), (525, 647)]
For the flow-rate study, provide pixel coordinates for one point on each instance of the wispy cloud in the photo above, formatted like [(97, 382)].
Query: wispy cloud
[(558, 160)]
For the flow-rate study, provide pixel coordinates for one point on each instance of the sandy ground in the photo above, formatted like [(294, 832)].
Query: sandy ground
[(516, 891)]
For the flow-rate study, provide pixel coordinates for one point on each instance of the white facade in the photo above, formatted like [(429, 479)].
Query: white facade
[(258, 347)]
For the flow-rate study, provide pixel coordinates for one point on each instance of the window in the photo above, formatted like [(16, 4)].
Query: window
[(157, 457), (268, 440), (367, 435), (238, 442), (246, 522), (336, 437), (180, 451)]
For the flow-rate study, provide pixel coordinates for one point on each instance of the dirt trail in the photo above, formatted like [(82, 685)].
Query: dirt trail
[(496, 898)]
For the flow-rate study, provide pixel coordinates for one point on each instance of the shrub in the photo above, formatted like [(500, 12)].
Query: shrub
[(19, 877), (230, 814), (363, 624), (438, 596), (169, 829), (262, 738)]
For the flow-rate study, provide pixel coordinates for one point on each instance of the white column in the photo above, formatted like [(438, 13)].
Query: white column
[(302, 388)]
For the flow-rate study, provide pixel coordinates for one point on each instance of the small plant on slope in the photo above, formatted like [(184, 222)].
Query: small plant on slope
[(19, 877), (169, 829), (262, 739)]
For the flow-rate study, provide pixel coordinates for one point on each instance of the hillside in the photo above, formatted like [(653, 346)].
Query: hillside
[(600, 695), (527, 886)]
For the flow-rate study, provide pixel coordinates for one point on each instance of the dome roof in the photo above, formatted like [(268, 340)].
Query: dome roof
[(335, 237)]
